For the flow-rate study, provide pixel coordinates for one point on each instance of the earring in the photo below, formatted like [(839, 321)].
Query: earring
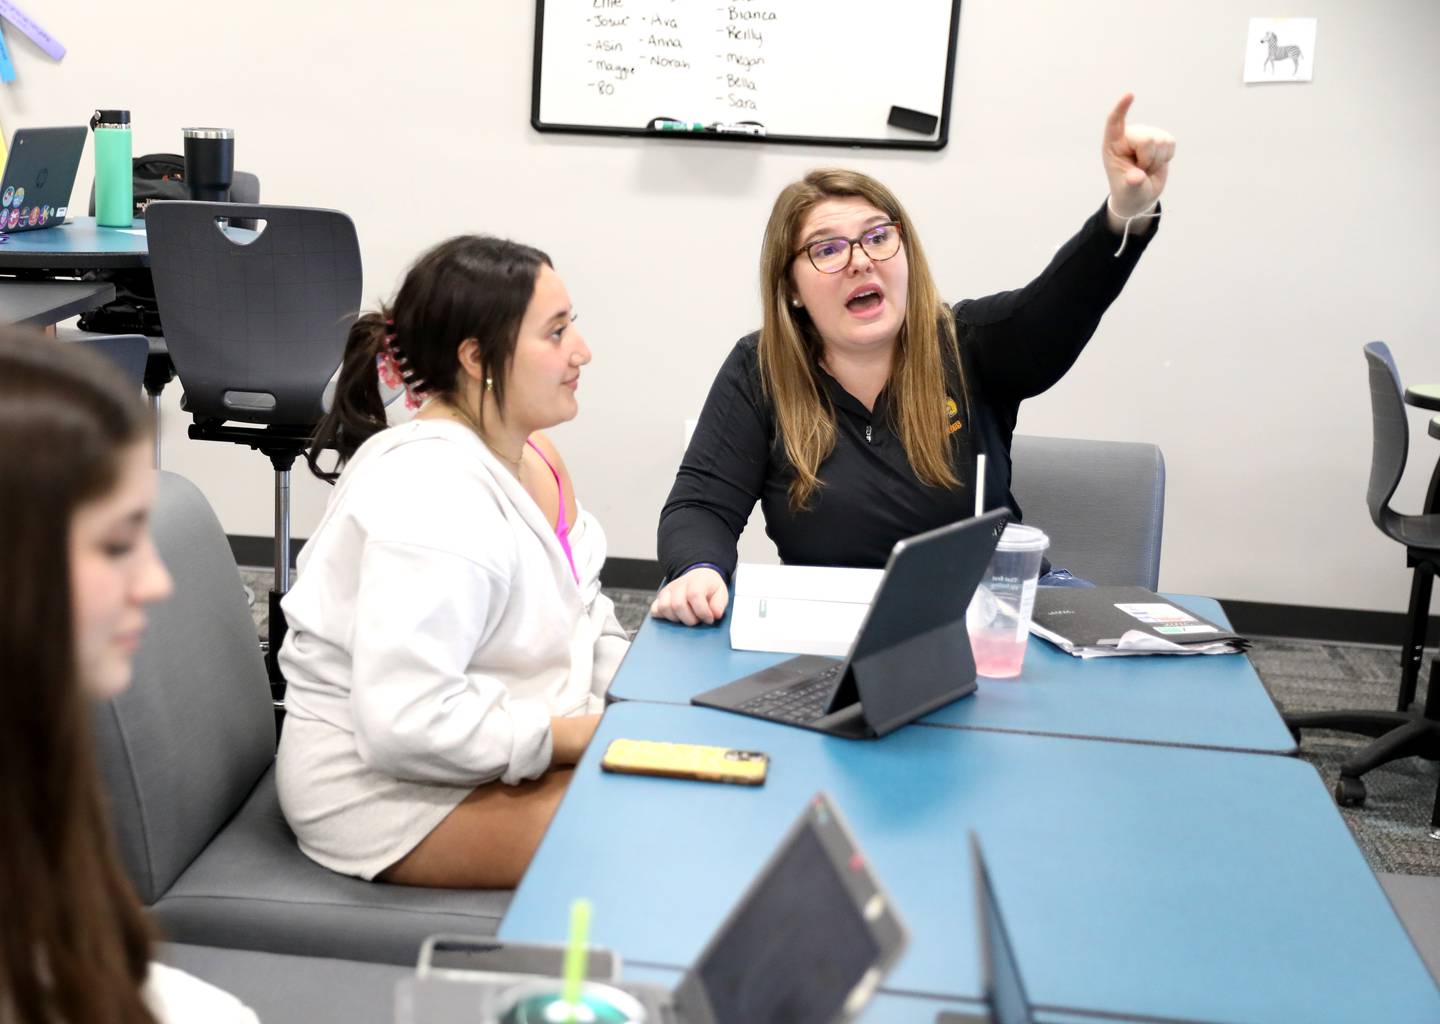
[(489, 384), (795, 303)]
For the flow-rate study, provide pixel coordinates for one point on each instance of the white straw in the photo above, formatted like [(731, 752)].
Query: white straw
[(980, 484)]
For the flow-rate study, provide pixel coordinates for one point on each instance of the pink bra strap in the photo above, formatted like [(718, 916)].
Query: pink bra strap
[(562, 527)]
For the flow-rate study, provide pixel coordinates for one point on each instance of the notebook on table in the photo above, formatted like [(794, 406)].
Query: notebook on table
[(910, 656), (799, 609), (1091, 622)]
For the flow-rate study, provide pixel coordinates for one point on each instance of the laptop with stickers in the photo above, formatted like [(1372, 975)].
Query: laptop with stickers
[(39, 177)]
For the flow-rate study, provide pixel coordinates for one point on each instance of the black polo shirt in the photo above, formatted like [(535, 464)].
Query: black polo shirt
[(1013, 345)]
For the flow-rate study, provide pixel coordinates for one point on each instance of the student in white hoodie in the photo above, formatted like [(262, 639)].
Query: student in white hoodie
[(78, 569), (448, 648)]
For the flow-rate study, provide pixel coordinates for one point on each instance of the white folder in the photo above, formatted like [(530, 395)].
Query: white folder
[(800, 609)]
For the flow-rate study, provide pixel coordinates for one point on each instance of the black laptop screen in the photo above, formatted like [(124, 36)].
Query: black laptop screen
[(793, 952)]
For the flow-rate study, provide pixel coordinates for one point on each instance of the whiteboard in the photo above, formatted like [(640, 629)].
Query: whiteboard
[(825, 72)]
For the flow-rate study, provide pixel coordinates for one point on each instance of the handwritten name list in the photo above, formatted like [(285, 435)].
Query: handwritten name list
[(664, 51)]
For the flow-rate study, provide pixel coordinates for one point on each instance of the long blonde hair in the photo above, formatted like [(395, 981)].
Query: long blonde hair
[(790, 346)]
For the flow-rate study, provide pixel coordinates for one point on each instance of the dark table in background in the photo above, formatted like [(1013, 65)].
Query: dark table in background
[(46, 303), (78, 245)]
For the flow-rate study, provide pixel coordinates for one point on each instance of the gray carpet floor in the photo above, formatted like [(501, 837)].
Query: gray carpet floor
[(1306, 675), (1302, 675)]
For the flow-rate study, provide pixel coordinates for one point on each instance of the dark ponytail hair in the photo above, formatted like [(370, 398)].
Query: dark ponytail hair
[(471, 286), (76, 945)]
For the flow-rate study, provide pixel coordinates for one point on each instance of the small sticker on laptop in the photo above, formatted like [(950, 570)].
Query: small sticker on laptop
[(1157, 614)]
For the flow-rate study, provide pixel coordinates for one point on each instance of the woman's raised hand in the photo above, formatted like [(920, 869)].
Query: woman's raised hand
[(1137, 161)]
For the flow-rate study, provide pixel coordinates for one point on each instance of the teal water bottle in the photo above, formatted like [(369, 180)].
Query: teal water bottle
[(114, 169)]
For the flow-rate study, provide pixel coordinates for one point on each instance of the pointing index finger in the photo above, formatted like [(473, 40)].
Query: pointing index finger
[(1115, 123)]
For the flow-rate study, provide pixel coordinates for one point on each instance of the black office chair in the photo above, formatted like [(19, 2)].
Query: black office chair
[(136, 301), (1400, 733), (256, 329)]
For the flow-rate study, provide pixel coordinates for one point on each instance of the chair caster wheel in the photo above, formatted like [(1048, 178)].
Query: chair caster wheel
[(1349, 792)]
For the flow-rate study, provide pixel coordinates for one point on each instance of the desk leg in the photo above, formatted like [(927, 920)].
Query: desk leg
[(1432, 714), (1412, 655), (1435, 815), (1414, 650)]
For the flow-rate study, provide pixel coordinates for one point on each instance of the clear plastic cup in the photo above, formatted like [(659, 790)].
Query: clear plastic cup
[(541, 1002), (999, 615)]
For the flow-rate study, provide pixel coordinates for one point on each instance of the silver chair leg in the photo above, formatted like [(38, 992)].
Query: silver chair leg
[(155, 411), (282, 532), (279, 587)]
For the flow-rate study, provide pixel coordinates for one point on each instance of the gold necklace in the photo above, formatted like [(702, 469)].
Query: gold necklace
[(469, 421), (505, 458)]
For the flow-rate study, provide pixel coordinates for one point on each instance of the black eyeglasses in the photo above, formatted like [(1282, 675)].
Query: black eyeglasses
[(832, 255)]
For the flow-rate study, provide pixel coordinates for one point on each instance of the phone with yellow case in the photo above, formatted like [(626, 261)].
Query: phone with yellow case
[(686, 761)]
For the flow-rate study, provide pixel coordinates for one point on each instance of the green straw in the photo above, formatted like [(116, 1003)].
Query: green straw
[(576, 954)]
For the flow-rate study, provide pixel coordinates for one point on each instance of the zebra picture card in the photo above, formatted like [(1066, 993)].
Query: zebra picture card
[(1280, 50)]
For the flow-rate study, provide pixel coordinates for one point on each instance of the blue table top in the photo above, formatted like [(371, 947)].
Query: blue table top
[(1196, 700), (883, 1008), (79, 242), (1134, 878)]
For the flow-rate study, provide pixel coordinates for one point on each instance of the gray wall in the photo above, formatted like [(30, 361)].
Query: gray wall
[(1301, 222)]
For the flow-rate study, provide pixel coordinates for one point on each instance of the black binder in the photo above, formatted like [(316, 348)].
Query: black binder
[(1075, 618)]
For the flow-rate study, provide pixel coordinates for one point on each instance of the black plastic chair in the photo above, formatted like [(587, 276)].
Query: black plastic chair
[(159, 370), (1402, 732), (256, 326)]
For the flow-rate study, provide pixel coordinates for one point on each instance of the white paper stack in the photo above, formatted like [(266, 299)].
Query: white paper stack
[(1133, 642), (800, 609)]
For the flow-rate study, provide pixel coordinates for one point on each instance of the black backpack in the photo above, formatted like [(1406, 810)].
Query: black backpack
[(158, 176)]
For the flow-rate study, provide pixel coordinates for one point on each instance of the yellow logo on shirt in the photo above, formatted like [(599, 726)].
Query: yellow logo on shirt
[(953, 411)]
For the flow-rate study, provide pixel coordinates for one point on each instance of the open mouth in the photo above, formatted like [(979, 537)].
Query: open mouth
[(865, 300)]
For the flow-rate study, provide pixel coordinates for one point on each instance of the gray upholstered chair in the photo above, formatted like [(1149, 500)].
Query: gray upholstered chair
[(187, 754), (1416, 899), (295, 989), (1102, 503), (129, 352)]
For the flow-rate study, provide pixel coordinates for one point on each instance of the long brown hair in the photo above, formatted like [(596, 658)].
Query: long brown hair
[(790, 346), (75, 946), (471, 286)]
